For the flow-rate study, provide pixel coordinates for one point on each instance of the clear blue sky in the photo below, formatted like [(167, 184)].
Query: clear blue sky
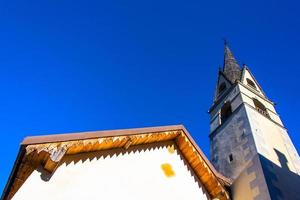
[(69, 66)]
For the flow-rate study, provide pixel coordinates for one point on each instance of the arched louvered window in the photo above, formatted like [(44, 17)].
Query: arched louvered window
[(261, 108), (251, 83), (226, 111)]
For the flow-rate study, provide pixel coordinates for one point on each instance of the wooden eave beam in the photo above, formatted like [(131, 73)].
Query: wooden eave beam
[(50, 154)]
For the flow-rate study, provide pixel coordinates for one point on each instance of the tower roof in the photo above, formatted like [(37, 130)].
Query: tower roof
[(231, 68)]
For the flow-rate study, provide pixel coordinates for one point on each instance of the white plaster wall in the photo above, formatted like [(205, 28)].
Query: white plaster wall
[(248, 96), (268, 136), (248, 75), (133, 175)]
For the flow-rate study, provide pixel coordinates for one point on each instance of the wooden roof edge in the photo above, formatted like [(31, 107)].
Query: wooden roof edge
[(13, 173), (101, 134), (225, 180), (97, 134), (31, 140)]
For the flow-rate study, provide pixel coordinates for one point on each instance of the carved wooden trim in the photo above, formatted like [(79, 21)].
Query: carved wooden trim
[(48, 155)]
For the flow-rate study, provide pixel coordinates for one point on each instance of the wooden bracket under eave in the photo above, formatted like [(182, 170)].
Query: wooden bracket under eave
[(54, 159), (128, 143)]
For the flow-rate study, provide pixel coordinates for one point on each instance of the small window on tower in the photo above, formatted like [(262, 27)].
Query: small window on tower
[(260, 108), (251, 83), (230, 158), (222, 88), (226, 111)]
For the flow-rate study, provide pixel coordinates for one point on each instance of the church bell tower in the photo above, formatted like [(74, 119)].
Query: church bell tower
[(248, 140)]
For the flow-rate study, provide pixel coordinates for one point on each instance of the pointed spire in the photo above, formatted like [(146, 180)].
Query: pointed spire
[(231, 68)]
